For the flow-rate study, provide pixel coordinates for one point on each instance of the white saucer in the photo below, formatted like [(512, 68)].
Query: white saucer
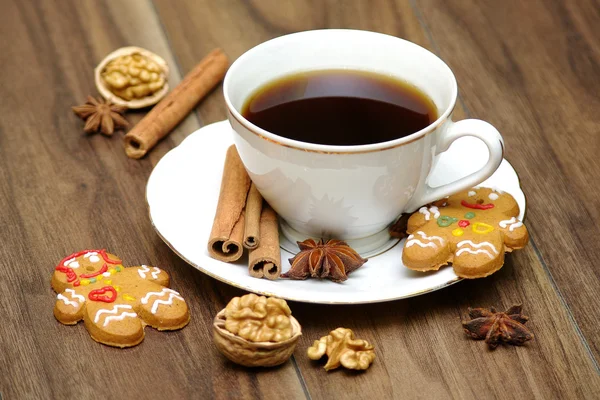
[(182, 194)]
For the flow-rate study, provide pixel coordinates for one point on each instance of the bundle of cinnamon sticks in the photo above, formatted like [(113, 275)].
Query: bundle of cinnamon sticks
[(244, 220)]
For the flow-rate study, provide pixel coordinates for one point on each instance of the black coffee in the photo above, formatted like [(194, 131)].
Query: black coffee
[(340, 107)]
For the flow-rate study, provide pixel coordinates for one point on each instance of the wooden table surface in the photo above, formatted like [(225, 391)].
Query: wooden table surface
[(531, 68)]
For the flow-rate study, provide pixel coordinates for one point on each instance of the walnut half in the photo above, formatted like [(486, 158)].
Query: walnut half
[(342, 349), (258, 318), (256, 331), (132, 77)]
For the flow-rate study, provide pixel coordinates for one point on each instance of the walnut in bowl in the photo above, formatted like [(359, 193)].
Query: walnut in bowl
[(132, 77), (256, 331)]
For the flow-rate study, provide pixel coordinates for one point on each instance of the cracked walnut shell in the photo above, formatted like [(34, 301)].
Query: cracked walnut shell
[(256, 331), (342, 349), (132, 77)]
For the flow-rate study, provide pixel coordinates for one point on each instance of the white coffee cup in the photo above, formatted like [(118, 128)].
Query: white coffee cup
[(350, 192)]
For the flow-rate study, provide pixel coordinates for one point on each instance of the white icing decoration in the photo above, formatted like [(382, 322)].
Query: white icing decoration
[(493, 196), (466, 249), (119, 317), (113, 311), (93, 256), (477, 245), (172, 294), (75, 295), (514, 224), (472, 193), (169, 301), (424, 236), (417, 241), (503, 224), (143, 271), (67, 301), (106, 274), (411, 241), (69, 261), (427, 212)]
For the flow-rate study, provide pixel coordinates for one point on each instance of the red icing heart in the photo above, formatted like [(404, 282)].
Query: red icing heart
[(463, 223), (98, 294)]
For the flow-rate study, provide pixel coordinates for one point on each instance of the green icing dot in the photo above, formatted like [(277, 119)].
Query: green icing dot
[(92, 280), (445, 220), (470, 215), (118, 269)]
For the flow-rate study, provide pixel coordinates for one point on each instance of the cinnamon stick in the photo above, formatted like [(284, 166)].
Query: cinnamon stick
[(171, 110), (265, 260), (252, 223), (227, 235)]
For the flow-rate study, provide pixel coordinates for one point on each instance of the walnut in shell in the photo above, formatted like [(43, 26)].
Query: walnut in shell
[(342, 349), (256, 331), (132, 77)]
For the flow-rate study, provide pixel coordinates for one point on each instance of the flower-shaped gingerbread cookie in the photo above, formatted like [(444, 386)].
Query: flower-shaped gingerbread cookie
[(471, 229), (115, 303)]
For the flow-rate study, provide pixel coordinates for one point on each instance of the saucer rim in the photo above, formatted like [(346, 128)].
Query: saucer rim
[(171, 153), (290, 298)]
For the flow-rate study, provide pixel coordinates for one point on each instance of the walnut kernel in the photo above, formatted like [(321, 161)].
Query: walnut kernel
[(132, 77), (342, 349), (259, 319), (256, 331)]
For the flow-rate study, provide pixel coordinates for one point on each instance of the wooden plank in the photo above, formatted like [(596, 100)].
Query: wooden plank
[(531, 68), (421, 349), (61, 191), (196, 27)]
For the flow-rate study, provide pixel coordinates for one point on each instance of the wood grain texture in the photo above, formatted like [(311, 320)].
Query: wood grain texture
[(421, 349), (62, 191), (532, 68)]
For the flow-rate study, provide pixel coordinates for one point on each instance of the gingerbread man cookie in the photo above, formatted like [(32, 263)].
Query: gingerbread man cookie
[(115, 302), (471, 229)]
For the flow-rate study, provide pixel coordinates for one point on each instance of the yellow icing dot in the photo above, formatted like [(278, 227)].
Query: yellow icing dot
[(85, 282), (108, 281), (128, 297), (118, 288), (112, 271), (99, 278), (458, 232), (481, 228)]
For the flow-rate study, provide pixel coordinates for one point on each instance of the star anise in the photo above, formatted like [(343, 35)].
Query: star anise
[(101, 116), (498, 327), (333, 259)]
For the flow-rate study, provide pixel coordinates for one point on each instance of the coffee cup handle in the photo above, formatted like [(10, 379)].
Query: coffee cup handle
[(468, 127)]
